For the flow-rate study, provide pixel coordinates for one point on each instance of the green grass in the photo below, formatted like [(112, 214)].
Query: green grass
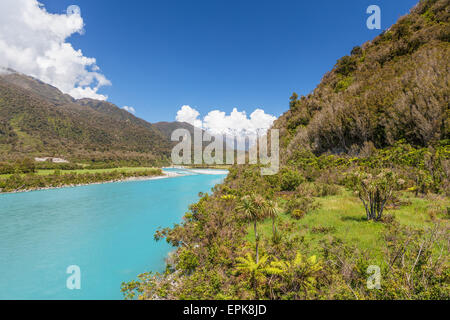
[(345, 216), (51, 171)]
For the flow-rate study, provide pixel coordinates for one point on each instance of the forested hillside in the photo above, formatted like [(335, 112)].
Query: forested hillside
[(391, 88), (37, 119)]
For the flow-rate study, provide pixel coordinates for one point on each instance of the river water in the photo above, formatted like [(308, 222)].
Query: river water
[(106, 230)]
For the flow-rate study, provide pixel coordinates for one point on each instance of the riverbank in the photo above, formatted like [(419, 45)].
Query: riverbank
[(122, 178)]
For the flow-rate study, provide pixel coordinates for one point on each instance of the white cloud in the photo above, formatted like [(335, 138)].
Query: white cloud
[(33, 42), (189, 115), (237, 123), (129, 109)]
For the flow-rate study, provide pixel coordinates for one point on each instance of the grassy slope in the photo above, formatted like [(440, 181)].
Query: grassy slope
[(344, 215)]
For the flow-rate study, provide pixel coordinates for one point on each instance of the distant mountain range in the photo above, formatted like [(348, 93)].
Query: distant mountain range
[(37, 119)]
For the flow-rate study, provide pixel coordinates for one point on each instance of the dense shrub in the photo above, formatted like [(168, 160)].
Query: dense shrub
[(346, 65), (25, 165), (343, 84), (298, 207), (317, 189), (290, 179), (187, 261), (7, 168)]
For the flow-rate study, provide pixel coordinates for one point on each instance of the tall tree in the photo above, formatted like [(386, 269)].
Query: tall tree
[(253, 208)]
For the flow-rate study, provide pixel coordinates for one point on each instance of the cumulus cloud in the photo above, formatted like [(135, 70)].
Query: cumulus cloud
[(34, 42), (189, 115), (236, 124), (129, 109)]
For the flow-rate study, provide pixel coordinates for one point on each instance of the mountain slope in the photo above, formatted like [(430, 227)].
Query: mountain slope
[(37, 119), (394, 87), (167, 128)]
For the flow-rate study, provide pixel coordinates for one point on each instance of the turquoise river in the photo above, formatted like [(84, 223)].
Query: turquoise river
[(105, 229)]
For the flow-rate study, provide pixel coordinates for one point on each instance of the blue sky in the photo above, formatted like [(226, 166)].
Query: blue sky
[(160, 55)]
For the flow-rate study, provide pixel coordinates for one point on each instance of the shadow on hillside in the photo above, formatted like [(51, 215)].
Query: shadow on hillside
[(351, 218)]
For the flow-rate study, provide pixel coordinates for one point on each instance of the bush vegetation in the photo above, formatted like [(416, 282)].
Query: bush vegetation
[(323, 244), (391, 88), (31, 181), (377, 125)]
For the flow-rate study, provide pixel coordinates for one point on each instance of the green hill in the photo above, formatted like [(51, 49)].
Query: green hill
[(37, 119), (391, 88)]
